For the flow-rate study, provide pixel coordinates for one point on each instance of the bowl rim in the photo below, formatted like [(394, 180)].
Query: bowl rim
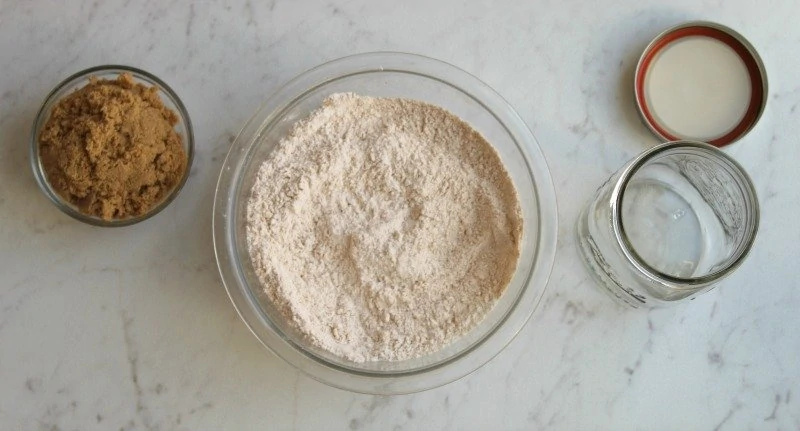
[(40, 121), (363, 381)]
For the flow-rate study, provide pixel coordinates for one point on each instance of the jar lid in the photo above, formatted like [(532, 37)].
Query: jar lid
[(700, 81)]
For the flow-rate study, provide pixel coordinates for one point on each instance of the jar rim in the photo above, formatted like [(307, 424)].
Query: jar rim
[(623, 241)]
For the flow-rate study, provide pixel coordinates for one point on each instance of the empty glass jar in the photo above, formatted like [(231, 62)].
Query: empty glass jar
[(669, 224)]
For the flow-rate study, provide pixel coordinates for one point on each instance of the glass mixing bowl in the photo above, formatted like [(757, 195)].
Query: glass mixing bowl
[(411, 77)]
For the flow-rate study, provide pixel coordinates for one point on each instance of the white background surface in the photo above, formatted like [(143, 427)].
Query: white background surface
[(131, 329)]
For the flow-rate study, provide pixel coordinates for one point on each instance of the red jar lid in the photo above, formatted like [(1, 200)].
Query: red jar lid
[(700, 81)]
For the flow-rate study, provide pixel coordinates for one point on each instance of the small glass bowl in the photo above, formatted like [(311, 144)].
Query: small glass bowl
[(389, 75), (81, 79)]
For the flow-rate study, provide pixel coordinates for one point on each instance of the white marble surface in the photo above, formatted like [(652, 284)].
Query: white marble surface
[(131, 329)]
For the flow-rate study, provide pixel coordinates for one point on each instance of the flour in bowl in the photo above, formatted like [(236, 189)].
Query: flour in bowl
[(383, 229)]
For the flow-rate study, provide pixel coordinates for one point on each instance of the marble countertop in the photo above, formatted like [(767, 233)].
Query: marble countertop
[(131, 329)]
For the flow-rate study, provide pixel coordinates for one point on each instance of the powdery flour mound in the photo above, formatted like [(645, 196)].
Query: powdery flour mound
[(383, 229)]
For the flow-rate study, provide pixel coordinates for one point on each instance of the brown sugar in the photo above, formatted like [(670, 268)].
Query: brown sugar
[(111, 149)]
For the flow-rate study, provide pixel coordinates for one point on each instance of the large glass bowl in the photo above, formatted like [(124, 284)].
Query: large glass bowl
[(412, 77)]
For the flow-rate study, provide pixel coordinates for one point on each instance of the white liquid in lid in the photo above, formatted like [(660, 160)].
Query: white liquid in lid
[(698, 88)]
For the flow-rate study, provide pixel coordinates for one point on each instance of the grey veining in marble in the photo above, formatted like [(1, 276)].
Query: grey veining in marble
[(130, 328)]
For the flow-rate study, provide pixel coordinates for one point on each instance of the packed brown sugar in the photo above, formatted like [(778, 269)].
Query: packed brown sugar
[(111, 149)]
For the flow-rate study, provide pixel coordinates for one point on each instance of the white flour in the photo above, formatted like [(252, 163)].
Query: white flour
[(383, 229)]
